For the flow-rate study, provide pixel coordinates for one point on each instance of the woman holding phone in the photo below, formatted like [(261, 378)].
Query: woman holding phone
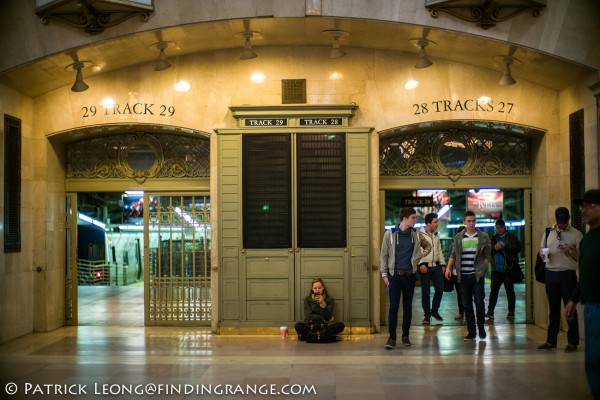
[(318, 307)]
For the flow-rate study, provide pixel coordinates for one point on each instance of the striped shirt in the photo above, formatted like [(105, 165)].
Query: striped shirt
[(467, 258)]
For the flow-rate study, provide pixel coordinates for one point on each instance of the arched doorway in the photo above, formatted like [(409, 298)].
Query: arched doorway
[(483, 166), (138, 208)]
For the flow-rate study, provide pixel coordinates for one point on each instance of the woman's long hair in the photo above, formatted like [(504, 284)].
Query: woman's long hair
[(322, 284)]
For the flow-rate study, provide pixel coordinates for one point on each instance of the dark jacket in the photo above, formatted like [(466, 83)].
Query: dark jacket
[(511, 251), (313, 311)]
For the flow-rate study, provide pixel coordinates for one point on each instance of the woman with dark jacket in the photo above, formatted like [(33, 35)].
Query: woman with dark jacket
[(318, 307)]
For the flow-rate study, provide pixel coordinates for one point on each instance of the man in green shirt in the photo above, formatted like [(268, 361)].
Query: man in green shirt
[(587, 290)]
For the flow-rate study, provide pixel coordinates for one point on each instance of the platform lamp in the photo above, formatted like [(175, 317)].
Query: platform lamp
[(336, 50), (423, 61), (79, 85)]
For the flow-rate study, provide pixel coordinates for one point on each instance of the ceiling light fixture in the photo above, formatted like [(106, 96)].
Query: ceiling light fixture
[(423, 61), (507, 78), (247, 52), (162, 62), (336, 50), (79, 85)]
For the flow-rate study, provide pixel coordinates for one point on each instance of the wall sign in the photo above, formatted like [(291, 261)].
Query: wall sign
[(160, 110), (320, 121), (265, 122), (438, 106), (424, 201)]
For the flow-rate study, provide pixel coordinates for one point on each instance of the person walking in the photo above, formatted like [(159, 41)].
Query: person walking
[(561, 277), (430, 270), (470, 256), (505, 255), (587, 290), (399, 259)]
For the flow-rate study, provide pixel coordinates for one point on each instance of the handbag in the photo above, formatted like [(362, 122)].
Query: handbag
[(319, 332), (540, 265), (516, 273)]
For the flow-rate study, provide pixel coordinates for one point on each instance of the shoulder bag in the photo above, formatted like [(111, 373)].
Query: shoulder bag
[(540, 265)]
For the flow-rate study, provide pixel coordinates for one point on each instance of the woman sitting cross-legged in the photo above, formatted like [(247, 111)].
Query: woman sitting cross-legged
[(318, 307)]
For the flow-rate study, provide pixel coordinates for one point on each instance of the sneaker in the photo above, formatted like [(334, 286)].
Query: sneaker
[(482, 335), (391, 343), (547, 346), (470, 337), (510, 315), (437, 316), (426, 320), (406, 341), (488, 315), (458, 316), (570, 348)]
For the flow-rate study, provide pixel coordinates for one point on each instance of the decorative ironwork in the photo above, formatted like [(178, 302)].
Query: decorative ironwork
[(293, 91), (179, 273), (12, 184), (486, 13), (453, 152), (139, 156), (94, 16)]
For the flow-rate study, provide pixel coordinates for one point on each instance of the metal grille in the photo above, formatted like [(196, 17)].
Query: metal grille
[(293, 91), (321, 190), (267, 191), (577, 164), (12, 184), (454, 152), (70, 224), (139, 156), (179, 260)]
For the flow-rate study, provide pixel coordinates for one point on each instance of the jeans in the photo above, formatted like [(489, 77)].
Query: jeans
[(473, 290), (560, 286), (401, 285), (499, 278), (591, 318), (336, 327), (434, 276)]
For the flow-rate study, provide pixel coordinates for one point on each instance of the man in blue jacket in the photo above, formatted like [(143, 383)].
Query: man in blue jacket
[(399, 259), (470, 255)]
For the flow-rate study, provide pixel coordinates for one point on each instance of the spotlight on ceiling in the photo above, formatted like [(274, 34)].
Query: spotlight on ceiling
[(336, 50), (247, 52), (162, 62), (507, 78), (79, 85), (423, 61)]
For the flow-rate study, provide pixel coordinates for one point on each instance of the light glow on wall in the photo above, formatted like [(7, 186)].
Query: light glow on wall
[(258, 77), (182, 86), (411, 84)]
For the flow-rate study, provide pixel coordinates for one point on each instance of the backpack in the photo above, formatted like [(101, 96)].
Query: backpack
[(319, 332)]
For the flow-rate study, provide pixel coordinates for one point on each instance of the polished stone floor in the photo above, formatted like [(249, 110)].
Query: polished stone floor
[(101, 361)]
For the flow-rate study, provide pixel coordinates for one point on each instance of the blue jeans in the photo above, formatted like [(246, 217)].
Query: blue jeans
[(434, 276), (498, 279), (473, 290), (559, 287), (401, 285), (591, 318)]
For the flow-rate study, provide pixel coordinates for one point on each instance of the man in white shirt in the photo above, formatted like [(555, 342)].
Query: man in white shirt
[(430, 270)]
